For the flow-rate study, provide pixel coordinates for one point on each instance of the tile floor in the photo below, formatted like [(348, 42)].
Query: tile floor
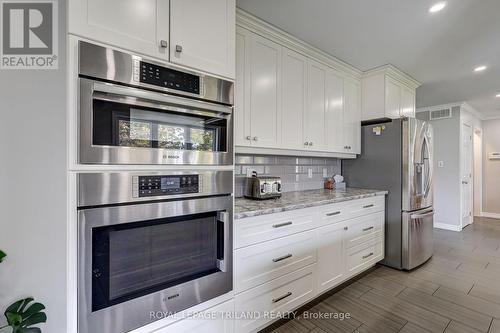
[(458, 290)]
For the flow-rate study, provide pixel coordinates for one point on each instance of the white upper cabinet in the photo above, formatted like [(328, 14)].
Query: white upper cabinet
[(388, 93), (138, 26), (193, 33), (315, 115), (294, 99), (335, 111), (202, 35), (257, 114), (352, 116)]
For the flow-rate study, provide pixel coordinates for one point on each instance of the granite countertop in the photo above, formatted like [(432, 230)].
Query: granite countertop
[(298, 200)]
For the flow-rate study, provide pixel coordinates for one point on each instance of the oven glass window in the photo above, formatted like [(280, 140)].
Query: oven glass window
[(122, 125), (139, 258)]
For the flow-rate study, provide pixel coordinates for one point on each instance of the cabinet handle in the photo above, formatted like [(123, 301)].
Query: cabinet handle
[(333, 214), (346, 228), (276, 300), (163, 44), (282, 258), (255, 138), (178, 48), (282, 224), (368, 255), (368, 206), (249, 138), (367, 229)]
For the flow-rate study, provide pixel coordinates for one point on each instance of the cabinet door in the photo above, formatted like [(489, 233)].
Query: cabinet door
[(294, 99), (352, 116), (202, 35), (392, 98), (242, 90), (265, 93), (315, 115), (335, 112), (408, 102), (137, 26), (331, 256), (206, 324)]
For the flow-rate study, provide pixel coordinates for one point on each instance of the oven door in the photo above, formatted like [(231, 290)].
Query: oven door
[(124, 125), (140, 259)]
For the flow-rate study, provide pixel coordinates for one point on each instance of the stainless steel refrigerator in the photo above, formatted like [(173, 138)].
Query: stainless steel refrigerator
[(397, 157)]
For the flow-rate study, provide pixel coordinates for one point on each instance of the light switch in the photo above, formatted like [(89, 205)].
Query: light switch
[(440, 164)]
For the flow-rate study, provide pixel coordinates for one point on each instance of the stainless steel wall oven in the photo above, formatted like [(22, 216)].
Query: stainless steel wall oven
[(151, 242), (138, 111)]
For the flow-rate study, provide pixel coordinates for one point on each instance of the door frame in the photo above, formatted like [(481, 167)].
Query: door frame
[(462, 156), (477, 171)]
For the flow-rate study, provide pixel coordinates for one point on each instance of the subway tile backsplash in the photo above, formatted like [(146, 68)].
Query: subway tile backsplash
[(292, 170)]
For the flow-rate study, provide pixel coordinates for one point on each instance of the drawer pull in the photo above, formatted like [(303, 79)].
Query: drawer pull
[(276, 300), (367, 229), (282, 258), (368, 255), (282, 224), (333, 214), (369, 206)]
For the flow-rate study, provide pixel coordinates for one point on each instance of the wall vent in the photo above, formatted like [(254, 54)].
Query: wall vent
[(440, 114)]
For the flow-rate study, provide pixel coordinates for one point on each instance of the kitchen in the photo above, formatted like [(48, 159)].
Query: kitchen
[(215, 166)]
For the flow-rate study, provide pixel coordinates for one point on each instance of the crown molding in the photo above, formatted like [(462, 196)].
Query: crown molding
[(467, 107), (250, 22), (395, 73)]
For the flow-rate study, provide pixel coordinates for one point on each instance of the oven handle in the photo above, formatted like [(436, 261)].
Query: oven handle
[(221, 263), (180, 102)]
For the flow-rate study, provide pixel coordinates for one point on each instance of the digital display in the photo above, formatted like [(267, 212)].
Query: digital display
[(170, 183)]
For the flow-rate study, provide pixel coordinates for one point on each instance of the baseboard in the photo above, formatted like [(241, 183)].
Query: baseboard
[(446, 226), (490, 215)]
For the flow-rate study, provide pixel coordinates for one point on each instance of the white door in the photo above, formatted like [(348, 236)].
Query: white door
[(241, 116), (294, 99), (315, 115), (265, 93), (392, 98), (331, 256), (335, 112), (408, 102), (138, 26), (466, 175), (352, 116), (202, 35)]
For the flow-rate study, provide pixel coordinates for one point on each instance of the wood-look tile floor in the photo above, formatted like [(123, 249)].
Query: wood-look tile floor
[(457, 291)]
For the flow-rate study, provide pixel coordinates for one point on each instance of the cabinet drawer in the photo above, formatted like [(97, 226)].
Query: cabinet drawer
[(366, 206), (364, 228), (334, 213), (280, 295), (259, 229), (365, 255), (257, 264)]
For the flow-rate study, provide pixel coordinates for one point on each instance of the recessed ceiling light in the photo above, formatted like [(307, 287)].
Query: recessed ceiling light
[(480, 68), (498, 95), (437, 7)]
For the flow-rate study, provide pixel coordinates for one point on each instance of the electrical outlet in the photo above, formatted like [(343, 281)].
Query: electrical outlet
[(325, 172), (310, 173)]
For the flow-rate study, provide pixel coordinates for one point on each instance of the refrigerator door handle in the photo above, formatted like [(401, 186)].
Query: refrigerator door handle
[(422, 216)]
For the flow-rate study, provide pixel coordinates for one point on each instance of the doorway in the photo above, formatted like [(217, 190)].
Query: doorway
[(466, 175), (478, 172)]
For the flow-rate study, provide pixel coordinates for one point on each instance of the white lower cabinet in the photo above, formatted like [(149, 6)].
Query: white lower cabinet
[(264, 303), (284, 260), (214, 320)]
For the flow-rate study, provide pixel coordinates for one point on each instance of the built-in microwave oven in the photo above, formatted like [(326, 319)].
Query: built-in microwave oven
[(134, 110)]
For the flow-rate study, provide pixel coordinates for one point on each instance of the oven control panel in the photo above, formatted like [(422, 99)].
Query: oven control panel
[(152, 186), (166, 77)]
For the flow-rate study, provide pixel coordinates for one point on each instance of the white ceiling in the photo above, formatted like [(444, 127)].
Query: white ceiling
[(440, 50)]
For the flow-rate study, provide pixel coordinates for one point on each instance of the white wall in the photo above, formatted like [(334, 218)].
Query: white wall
[(446, 179), (33, 186), (491, 168)]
